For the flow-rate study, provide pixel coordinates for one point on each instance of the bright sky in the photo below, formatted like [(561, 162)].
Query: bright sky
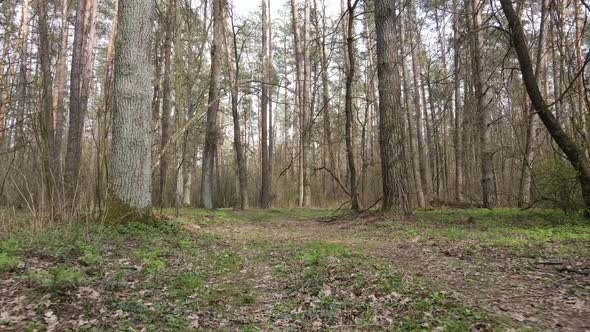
[(243, 7)]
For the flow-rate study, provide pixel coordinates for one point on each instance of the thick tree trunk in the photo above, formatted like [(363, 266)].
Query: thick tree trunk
[(211, 135), (393, 166), (574, 153), (130, 184)]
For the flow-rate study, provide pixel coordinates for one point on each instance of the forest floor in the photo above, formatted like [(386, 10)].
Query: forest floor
[(443, 270)]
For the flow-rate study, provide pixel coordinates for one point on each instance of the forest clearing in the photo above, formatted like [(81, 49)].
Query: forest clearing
[(281, 269), (254, 165)]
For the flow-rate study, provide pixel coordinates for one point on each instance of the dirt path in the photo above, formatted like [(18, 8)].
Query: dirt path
[(495, 281)]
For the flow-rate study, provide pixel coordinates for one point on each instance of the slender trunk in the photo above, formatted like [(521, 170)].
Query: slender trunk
[(264, 176), (485, 148), (524, 189), (234, 72), (348, 106), (84, 38), (211, 134), (574, 153), (166, 107), (59, 92), (415, 45), (300, 101), (45, 118), (457, 138)]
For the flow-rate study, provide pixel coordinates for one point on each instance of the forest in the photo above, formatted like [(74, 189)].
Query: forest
[(254, 165)]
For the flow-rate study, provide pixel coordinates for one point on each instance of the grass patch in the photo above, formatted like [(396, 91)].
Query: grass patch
[(530, 233)]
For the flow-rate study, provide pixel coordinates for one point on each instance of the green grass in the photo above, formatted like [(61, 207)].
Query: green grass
[(163, 278), (529, 232), (208, 217)]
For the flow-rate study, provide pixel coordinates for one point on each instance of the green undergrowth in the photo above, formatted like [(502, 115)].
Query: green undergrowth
[(330, 286), (128, 277), (160, 277), (529, 232), (213, 217)]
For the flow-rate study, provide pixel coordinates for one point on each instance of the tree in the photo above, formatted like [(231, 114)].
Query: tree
[(348, 106), (393, 172), (130, 174), (264, 114), (234, 72), (80, 75), (166, 92), (488, 183), (211, 135), (573, 151), (46, 116)]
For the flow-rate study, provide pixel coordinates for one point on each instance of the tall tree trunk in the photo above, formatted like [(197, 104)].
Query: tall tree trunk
[(524, 188), (300, 102), (325, 108), (20, 115), (415, 45), (348, 106), (104, 116), (457, 138), (166, 91), (393, 166), (234, 72), (211, 134), (45, 118), (130, 184), (6, 79), (306, 102), (84, 39), (573, 151), (264, 174), (418, 179), (487, 164), (59, 92)]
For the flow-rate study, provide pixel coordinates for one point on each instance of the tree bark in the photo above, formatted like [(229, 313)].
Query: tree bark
[(233, 66), (348, 106), (46, 116), (130, 183), (84, 39), (264, 101), (486, 154), (393, 166), (166, 91), (211, 134)]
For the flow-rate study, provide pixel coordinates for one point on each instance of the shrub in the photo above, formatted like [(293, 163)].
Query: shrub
[(58, 279), (557, 186), (8, 263)]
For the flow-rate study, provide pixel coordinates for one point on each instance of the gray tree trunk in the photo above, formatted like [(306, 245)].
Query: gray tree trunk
[(393, 165), (210, 147), (130, 183), (82, 58)]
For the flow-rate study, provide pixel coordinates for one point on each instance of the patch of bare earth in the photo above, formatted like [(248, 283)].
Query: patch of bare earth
[(497, 281)]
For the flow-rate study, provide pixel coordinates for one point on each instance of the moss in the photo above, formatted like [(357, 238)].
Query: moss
[(119, 212)]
